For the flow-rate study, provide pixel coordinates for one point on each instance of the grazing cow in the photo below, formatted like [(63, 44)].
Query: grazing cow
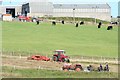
[(37, 22), (53, 23), (114, 23), (81, 23), (76, 24), (99, 25), (62, 21), (109, 27)]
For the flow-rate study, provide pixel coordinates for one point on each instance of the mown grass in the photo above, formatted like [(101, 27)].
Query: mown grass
[(85, 40), (34, 73)]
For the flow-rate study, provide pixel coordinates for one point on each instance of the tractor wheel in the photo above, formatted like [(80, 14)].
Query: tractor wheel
[(55, 58), (77, 69), (68, 61), (63, 60)]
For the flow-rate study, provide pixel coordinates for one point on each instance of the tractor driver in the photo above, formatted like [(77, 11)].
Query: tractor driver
[(59, 55)]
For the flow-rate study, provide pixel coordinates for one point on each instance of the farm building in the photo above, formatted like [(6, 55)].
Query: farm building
[(10, 9), (44, 8), (0, 9), (7, 9), (99, 11), (119, 12), (38, 8)]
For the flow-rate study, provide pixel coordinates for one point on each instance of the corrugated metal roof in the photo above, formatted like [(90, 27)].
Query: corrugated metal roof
[(81, 6)]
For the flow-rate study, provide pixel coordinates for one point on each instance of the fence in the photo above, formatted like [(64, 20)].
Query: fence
[(80, 58)]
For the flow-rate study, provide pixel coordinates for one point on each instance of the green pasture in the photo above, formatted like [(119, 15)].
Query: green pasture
[(86, 40), (34, 73)]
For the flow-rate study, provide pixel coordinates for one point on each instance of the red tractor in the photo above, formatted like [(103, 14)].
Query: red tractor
[(60, 56)]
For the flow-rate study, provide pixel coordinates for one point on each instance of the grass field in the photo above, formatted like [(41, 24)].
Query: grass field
[(85, 40), (34, 73)]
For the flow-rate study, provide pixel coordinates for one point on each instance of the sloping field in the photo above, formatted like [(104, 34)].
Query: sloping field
[(86, 40)]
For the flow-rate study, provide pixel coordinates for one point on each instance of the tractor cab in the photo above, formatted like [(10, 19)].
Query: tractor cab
[(60, 52), (60, 56)]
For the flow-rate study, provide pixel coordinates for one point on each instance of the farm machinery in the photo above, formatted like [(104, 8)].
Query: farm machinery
[(60, 56), (90, 68), (39, 57), (76, 67), (24, 18)]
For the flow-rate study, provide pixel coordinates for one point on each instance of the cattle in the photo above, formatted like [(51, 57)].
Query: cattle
[(114, 23), (37, 22), (109, 27), (53, 23), (81, 23), (99, 25), (62, 21), (76, 24)]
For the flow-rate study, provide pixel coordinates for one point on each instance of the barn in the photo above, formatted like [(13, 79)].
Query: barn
[(37, 9), (45, 8), (99, 11), (8, 9)]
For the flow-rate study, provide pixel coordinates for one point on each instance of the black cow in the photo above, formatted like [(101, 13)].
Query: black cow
[(53, 23), (37, 22), (81, 23), (99, 25), (109, 27), (76, 24), (114, 23), (62, 21)]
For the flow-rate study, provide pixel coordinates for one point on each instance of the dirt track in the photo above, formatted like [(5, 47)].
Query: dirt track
[(22, 62)]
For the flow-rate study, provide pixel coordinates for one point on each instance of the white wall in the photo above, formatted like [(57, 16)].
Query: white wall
[(103, 14)]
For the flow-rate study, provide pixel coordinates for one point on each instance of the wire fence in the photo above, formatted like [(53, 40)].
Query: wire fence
[(80, 58)]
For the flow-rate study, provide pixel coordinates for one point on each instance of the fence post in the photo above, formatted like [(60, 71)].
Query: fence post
[(82, 58), (39, 67), (104, 60), (20, 56), (92, 59), (14, 67), (101, 59), (117, 61)]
